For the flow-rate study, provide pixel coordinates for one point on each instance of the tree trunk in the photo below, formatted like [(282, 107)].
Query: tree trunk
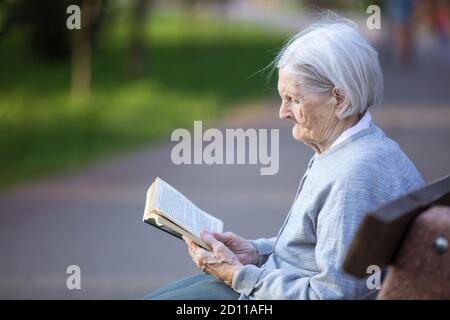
[(137, 50), (82, 47)]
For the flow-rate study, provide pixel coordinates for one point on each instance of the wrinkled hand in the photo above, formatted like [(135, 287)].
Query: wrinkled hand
[(244, 250), (221, 262)]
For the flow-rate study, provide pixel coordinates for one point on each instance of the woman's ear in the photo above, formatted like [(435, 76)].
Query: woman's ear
[(339, 100), (338, 96)]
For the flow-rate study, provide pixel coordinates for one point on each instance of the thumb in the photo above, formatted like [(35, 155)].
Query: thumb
[(226, 237), (209, 239)]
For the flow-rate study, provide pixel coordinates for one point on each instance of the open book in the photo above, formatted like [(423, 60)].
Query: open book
[(168, 210)]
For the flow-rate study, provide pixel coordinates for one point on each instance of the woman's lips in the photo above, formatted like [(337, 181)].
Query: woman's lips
[(293, 120)]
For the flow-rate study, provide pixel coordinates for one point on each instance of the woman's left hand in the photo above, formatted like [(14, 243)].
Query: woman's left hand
[(221, 262)]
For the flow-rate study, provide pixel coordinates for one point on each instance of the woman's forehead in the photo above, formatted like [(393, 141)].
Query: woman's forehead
[(288, 82)]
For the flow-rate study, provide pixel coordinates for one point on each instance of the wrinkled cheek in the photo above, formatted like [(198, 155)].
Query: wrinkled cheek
[(305, 121), (300, 117), (309, 127)]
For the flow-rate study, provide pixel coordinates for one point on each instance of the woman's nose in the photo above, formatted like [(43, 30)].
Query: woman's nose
[(284, 112)]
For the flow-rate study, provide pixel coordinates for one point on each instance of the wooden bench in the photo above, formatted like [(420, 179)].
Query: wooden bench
[(411, 235)]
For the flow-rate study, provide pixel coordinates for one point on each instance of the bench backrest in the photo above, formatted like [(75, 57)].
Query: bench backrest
[(381, 233)]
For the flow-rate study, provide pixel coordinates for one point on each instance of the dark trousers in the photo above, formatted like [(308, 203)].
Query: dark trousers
[(197, 287)]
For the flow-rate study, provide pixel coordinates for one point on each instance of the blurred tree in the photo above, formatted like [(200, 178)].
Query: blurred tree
[(44, 20), (82, 42), (137, 49), (342, 4)]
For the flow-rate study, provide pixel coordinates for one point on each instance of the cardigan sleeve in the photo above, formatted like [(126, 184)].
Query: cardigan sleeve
[(264, 247)]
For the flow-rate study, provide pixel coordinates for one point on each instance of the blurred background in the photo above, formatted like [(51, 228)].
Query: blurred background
[(86, 117)]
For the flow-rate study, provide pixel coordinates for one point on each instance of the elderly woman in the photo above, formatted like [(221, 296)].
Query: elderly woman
[(329, 79)]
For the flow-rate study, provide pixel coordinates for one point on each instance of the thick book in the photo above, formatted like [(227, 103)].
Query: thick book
[(168, 210)]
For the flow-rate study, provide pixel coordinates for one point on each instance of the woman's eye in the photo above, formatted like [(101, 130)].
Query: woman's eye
[(296, 102)]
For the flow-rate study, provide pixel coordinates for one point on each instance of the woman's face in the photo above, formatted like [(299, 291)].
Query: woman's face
[(313, 115)]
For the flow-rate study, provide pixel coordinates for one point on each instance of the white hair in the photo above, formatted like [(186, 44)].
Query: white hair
[(331, 55)]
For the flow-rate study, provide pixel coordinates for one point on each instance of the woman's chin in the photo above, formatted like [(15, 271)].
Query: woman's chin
[(297, 133)]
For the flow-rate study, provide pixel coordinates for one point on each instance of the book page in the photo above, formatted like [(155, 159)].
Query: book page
[(182, 211)]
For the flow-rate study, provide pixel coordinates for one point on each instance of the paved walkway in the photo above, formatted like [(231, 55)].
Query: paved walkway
[(92, 217)]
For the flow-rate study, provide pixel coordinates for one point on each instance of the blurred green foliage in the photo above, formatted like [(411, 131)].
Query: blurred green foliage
[(196, 68), (344, 4)]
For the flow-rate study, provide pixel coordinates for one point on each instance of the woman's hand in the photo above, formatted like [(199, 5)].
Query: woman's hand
[(221, 262), (244, 250)]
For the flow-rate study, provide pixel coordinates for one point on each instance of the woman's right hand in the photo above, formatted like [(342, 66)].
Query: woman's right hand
[(244, 250)]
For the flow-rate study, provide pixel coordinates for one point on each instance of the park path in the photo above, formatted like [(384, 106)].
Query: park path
[(91, 217)]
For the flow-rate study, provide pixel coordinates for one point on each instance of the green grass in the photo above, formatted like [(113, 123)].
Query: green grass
[(196, 69)]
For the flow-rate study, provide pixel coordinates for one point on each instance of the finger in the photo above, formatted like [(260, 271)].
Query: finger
[(192, 246), (185, 239), (211, 241), (201, 257), (197, 252), (204, 233), (188, 243), (225, 237)]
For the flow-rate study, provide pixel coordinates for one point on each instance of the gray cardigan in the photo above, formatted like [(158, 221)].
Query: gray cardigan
[(341, 185)]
